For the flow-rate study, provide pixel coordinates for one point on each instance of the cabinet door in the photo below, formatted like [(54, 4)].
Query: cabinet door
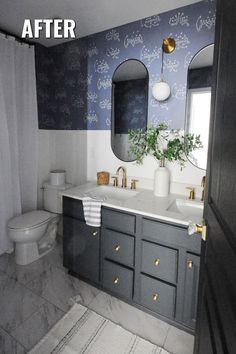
[(191, 289), (81, 248)]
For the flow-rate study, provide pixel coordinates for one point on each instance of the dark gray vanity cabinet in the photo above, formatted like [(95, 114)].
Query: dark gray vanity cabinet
[(151, 264), (191, 289), (158, 296), (118, 252), (159, 261), (159, 277), (81, 243), (117, 279), (170, 265), (148, 262), (118, 247)]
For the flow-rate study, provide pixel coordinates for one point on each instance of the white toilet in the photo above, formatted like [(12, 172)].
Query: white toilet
[(34, 233)]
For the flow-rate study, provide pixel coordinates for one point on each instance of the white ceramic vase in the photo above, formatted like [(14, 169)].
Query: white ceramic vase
[(161, 181)]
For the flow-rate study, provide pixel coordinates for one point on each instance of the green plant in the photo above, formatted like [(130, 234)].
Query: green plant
[(163, 144)]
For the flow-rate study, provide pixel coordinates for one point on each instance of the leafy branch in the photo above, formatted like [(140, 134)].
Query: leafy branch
[(163, 144)]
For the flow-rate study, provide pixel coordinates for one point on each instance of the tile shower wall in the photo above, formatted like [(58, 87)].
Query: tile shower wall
[(74, 79)]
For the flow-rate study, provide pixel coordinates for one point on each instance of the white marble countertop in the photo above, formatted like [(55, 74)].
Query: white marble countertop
[(144, 202)]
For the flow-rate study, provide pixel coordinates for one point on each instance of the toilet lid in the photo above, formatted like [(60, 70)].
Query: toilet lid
[(30, 219)]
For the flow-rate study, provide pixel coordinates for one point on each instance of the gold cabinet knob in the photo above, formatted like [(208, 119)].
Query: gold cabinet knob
[(190, 264), (155, 297), (116, 280), (95, 233), (117, 248), (157, 262)]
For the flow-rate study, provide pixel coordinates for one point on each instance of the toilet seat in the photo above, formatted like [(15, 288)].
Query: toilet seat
[(29, 220)]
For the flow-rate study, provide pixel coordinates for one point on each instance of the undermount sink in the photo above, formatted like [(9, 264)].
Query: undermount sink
[(109, 192), (187, 207)]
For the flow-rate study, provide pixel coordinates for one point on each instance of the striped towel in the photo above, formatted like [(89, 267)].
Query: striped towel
[(92, 211)]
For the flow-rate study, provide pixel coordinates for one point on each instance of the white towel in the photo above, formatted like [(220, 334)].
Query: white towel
[(92, 211)]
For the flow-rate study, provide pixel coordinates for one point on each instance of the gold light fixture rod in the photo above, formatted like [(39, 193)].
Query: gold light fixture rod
[(168, 45)]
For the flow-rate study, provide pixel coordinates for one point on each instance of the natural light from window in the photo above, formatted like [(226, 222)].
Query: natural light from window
[(200, 104)]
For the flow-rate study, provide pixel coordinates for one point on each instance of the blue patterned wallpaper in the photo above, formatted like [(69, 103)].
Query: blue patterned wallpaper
[(74, 79)]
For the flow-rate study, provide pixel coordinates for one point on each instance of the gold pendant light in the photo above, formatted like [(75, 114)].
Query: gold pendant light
[(161, 90)]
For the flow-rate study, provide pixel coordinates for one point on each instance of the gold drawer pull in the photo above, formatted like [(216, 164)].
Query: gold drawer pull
[(155, 297), (117, 248), (95, 233), (116, 280), (190, 264), (157, 262)]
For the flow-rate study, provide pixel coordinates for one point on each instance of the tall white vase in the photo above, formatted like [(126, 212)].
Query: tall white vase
[(161, 182)]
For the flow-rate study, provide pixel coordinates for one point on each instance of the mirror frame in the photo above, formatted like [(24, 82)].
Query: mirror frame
[(112, 96), (186, 124)]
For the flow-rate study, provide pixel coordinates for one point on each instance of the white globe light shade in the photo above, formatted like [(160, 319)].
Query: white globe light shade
[(161, 91)]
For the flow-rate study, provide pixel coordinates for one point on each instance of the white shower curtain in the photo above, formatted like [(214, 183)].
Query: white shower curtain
[(18, 133)]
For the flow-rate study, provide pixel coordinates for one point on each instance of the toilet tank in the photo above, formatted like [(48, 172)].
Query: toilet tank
[(52, 200)]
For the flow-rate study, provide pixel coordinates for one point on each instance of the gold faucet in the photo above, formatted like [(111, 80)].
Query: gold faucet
[(133, 183), (191, 193), (124, 180), (203, 182)]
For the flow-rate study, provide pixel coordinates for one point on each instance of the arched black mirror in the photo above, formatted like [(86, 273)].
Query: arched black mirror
[(198, 103), (129, 104)]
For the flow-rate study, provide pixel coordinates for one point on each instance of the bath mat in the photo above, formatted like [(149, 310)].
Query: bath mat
[(84, 331)]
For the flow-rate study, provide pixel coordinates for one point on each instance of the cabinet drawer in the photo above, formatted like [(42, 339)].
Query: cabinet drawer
[(158, 296), (118, 247), (117, 220), (118, 279), (159, 261), (73, 208), (171, 234)]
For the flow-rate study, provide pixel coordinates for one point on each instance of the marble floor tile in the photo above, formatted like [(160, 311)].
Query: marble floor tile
[(179, 342), (87, 293), (163, 351), (131, 318), (55, 257), (33, 329), (59, 245), (24, 274), (9, 345), (58, 287), (4, 261), (17, 303)]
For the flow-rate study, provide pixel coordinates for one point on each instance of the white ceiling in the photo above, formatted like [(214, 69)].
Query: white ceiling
[(91, 16)]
